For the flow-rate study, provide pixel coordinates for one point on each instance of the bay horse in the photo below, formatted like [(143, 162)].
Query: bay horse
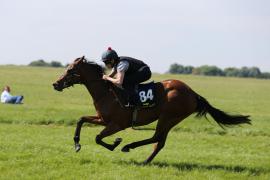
[(176, 101)]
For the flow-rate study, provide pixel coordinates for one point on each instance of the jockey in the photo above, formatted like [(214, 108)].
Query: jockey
[(126, 72)]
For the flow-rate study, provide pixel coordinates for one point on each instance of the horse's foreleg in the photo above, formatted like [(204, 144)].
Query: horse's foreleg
[(88, 119), (139, 143), (109, 130)]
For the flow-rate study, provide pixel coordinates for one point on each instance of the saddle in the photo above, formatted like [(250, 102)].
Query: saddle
[(142, 96)]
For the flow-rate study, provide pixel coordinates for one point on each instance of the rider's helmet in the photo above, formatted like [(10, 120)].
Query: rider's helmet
[(109, 55)]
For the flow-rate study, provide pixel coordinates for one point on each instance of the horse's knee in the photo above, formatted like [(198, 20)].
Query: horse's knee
[(98, 139)]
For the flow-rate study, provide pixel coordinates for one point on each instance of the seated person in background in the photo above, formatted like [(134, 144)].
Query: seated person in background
[(6, 97)]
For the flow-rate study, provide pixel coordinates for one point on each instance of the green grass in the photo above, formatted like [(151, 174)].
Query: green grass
[(46, 152), (42, 105), (195, 149)]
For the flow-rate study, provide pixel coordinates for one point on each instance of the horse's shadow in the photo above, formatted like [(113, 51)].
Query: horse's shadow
[(197, 166)]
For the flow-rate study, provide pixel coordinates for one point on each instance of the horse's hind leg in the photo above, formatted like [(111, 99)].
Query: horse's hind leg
[(158, 147), (162, 130), (160, 136), (88, 119)]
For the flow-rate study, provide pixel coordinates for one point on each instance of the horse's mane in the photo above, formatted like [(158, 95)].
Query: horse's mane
[(99, 68)]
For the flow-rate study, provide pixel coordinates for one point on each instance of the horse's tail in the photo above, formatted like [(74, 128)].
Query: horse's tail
[(222, 118)]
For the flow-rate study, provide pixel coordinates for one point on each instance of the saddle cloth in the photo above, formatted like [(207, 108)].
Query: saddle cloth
[(146, 95)]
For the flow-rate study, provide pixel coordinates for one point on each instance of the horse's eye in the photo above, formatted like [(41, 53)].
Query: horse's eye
[(70, 71)]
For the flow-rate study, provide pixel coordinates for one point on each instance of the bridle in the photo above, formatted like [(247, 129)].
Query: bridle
[(74, 73)]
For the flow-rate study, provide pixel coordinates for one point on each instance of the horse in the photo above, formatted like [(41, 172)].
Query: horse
[(176, 101)]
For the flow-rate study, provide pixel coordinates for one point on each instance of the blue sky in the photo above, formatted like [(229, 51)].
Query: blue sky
[(224, 33)]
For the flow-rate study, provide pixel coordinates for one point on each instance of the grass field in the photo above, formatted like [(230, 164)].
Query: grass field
[(36, 137)]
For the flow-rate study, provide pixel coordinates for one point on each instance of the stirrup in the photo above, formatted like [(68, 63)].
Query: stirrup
[(128, 105)]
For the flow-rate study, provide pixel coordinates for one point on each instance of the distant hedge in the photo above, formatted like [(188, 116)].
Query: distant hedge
[(42, 63), (207, 70)]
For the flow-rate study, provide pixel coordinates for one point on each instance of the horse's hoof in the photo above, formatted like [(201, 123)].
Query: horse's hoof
[(118, 141), (77, 147), (145, 163), (125, 149)]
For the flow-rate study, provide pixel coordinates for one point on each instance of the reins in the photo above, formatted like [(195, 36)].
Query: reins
[(103, 96)]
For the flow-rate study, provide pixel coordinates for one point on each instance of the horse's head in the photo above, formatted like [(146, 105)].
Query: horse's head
[(70, 77), (80, 71)]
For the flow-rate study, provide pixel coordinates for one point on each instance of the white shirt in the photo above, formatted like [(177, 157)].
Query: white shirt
[(122, 66), (4, 96)]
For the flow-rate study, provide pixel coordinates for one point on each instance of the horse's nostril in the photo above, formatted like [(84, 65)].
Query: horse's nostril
[(55, 85)]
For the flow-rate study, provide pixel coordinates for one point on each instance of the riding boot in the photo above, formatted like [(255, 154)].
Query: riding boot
[(132, 99)]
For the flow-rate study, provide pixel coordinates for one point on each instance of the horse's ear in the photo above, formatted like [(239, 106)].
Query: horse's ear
[(82, 58)]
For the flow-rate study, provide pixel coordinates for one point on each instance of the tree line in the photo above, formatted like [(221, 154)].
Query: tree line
[(175, 68), (42, 63), (253, 72)]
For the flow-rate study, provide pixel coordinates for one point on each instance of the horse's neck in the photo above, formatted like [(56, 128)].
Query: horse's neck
[(97, 89)]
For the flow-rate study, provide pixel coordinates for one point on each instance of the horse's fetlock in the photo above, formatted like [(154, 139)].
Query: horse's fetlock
[(76, 138)]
